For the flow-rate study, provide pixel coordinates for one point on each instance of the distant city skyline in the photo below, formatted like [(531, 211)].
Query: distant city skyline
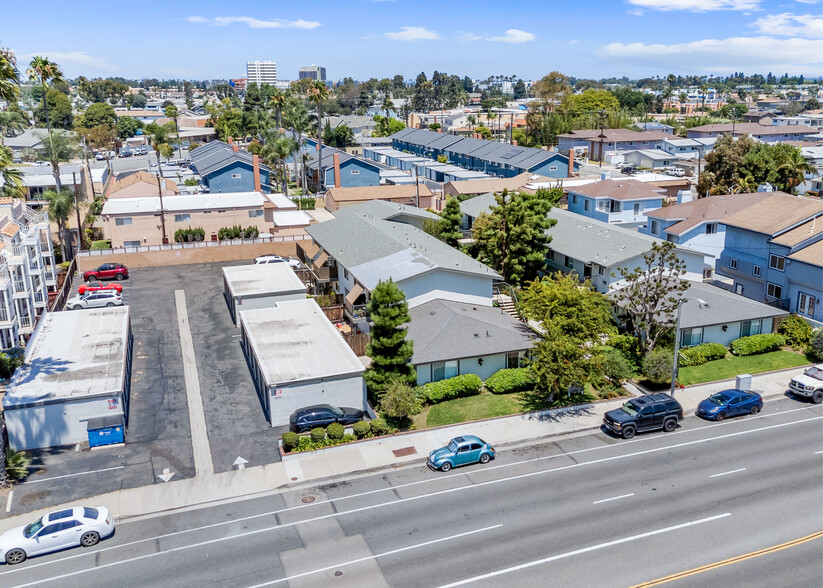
[(381, 38)]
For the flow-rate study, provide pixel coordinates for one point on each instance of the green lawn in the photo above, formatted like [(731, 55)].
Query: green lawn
[(731, 366), (473, 408)]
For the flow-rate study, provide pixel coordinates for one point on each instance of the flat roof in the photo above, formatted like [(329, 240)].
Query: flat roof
[(72, 356), (191, 202), (249, 281), (294, 341)]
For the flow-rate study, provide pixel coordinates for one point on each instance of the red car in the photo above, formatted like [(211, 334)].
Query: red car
[(107, 271), (93, 285)]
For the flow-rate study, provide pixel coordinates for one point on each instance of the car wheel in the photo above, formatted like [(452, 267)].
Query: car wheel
[(119, 277), (670, 425), (75, 307), (109, 304), (445, 467), (720, 416), (485, 458), (15, 556), (89, 538), (817, 397), (628, 432), (755, 409)]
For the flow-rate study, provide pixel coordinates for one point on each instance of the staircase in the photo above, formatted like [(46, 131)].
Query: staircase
[(505, 302)]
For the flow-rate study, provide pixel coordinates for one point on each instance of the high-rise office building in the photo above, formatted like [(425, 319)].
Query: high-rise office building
[(313, 72), (261, 72)]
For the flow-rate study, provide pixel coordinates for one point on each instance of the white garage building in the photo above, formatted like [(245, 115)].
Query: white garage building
[(247, 287), (298, 359), (77, 368)]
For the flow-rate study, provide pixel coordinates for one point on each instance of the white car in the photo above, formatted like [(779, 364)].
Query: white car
[(276, 259), (95, 299), (809, 384), (72, 527)]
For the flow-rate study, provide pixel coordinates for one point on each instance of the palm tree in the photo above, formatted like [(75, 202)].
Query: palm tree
[(726, 111), (43, 70), (12, 178), (318, 93), (297, 117), (60, 206), (277, 102), (61, 147), (745, 185), (158, 136), (11, 121), (172, 113), (472, 120), (794, 169), (9, 84), (388, 106)]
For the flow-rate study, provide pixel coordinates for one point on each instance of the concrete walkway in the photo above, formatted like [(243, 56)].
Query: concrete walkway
[(369, 456)]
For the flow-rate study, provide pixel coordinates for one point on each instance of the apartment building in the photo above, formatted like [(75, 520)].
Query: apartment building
[(312, 72), (261, 72), (27, 270)]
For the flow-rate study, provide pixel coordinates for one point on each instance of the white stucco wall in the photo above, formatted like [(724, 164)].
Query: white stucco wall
[(491, 364), (715, 333), (346, 391)]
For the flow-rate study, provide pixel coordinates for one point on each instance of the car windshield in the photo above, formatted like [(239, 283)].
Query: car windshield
[(337, 412), (452, 446), (630, 408), (719, 399), (814, 372), (31, 529)]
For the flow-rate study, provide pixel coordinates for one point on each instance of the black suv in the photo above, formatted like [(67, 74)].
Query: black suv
[(323, 415), (645, 413)]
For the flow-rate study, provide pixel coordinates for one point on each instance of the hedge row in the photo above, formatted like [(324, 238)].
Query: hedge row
[(510, 380), (700, 354), (456, 387), (332, 435), (755, 344)]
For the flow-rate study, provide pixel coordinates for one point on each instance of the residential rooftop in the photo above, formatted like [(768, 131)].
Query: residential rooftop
[(713, 208), (248, 281), (187, 202), (365, 193), (619, 189), (813, 254), (775, 214)]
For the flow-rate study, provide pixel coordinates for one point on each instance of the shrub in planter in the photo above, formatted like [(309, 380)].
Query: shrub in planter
[(318, 434), (361, 429), (378, 426), (290, 441), (335, 431), (510, 380), (796, 331), (657, 365), (456, 387), (754, 344), (700, 354), (815, 348)]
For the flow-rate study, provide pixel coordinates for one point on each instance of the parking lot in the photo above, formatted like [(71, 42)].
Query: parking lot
[(158, 438)]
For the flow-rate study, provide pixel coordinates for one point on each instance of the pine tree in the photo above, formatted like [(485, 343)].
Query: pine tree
[(450, 222), (388, 349)]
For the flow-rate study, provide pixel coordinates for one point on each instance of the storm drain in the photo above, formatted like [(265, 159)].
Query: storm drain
[(404, 451), (307, 499)]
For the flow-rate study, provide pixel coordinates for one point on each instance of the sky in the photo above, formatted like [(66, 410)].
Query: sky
[(361, 39)]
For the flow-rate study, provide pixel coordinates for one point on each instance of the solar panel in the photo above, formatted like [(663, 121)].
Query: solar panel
[(509, 154)]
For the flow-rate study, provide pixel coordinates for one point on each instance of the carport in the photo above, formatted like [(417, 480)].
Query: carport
[(248, 287)]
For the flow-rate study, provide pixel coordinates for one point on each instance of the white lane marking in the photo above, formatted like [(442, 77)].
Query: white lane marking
[(362, 559), (8, 500), (614, 498), (726, 473), (120, 467), (584, 550), (818, 452), (399, 501)]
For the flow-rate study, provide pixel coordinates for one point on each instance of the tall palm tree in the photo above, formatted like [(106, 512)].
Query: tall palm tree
[(60, 206), (12, 178), (158, 136), (11, 121), (318, 93), (46, 71), (278, 102), (9, 84), (794, 169), (172, 113), (297, 117), (388, 106)]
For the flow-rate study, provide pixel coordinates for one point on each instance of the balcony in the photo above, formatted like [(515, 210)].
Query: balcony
[(19, 287), (48, 275), (356, 313), (25, 321), (6, 316), (39, 298)]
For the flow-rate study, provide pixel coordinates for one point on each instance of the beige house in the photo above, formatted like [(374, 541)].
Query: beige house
[(133, 222), (410, 194), (493, 185), (139, 183)]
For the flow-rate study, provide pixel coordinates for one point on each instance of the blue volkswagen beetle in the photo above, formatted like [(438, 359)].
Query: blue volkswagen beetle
[(730, 403), (460, 451)]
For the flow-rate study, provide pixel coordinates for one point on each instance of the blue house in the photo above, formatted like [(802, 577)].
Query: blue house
[(223, 169), (616, 201), (355, 172), (774, 253)]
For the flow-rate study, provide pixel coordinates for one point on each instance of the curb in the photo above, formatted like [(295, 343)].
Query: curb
[(789, 369)]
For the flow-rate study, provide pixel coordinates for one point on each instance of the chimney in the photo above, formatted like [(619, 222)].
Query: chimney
[(571, 162), (235, 147), (336, 170), (231, 140), (255, 162)]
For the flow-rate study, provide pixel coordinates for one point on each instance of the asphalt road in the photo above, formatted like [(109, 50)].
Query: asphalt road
[(585, 511)]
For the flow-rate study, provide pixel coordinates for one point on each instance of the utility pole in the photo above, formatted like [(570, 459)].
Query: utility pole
[(162, 215), (417, 187), (602, 136), (77, 212)]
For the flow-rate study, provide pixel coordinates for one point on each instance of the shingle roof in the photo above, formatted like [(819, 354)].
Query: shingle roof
[(712, 208), (619, 189), (776, 213), (496, 184), (616, 135), (216, 155), (813, 254), (754, 129), (378, 192), (444, 330), (474, 207), (797, 235)]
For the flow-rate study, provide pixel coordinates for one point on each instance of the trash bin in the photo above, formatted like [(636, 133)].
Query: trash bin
[(743, 382), (106, 430)]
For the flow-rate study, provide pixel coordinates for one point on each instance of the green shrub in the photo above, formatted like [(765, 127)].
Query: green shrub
[(10, 360), (335, 431), (510, 380), (456, 387), (318, 434), (754, 344), (361, 429), (796, 330), (815, 348), (237, 232), (189, 235), (657, 365), (17, 464), (611, 391), (616, 366), (290, 440), (378, 426), (101, 244), (700, 354), (629, 346)]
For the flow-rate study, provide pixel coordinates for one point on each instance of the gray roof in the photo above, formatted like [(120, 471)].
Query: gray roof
[(29, 139), (473, 207), (388, 211), (444, 330), (250, 281), (216, 155)]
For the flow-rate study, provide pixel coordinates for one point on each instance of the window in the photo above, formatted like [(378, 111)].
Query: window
[(637, 208), (587, 205), (552, 168), (63, 514), (756, 271), (182, 218), (345, 274), (442, 370), (90, 513), (131, 243), (235, 176), (732, 263), (773, 290), (551, 255), (750, 328), (122, 222), (569, 262), (691, 337), (355, 172), (711, 228), (574, 198), (805, 304), (514, 359), (255, 213), (655, 227), (600, 270), (777, 262)]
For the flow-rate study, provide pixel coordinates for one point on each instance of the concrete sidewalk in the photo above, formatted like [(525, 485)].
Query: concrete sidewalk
[(372, 455)]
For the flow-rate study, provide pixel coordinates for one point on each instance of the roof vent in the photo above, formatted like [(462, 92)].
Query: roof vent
[(477, 335)]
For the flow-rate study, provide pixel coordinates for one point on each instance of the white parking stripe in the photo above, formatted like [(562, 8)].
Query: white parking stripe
[(614, 498), (726, 473), (120, 467)]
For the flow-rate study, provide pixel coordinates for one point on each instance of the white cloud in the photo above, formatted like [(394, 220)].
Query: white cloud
[(514, 36), (255, 23), (412, 34), (696, 5), (73, 60), (722, 55), (791, 25), (807, 1)]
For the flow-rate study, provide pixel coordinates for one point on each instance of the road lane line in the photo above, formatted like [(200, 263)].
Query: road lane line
[(371, 557), (732, 560), (727, 473), (120, 467), (8, 500), (585, 550), (400, 501), (614, 498), (818, 452)]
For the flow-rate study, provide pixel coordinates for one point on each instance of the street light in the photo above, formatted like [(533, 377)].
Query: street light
[(702, 303)]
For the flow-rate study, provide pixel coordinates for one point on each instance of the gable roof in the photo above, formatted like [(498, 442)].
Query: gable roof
[(713, 208), (485, 186), (619, 189), (616, 135), (775, 214), (754, 128), (216, 155), (378, 192), (813, 254)]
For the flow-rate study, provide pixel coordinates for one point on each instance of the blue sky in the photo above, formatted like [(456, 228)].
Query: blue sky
[(380, 38)]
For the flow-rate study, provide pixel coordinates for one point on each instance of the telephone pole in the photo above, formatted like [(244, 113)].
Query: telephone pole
[(162, 215)]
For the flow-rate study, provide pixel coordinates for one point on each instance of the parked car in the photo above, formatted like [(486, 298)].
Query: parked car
[(809, 384), (645, 413), (126, 153), (322, 415), (460, 451), (142, 150), (677, 172), (276, 259), (95, 299), (107, 271), (729, 403), (72, 527), (94, 285)]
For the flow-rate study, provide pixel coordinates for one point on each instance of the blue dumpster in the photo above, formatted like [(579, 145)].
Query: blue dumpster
[(106, 430)]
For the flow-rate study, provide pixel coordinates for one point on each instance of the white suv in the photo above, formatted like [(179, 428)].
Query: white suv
[(95, 299)]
